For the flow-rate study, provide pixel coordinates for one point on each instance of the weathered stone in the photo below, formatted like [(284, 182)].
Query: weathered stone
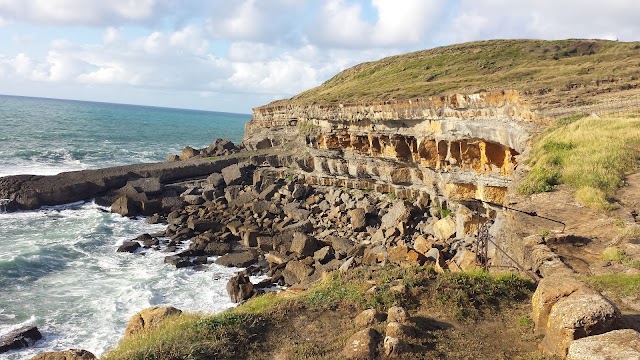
[(217, 248), (362, 345), (250, 238), (358, 219), (393, 347), (299, 192), (234, 175), (149, 186), (549, 290), (188, 153), (193, 199), (124, 206), (398, 314), (463, 260), (341, 245), (616, 344), (399, 213), (296, 272), (444, 228), (148, 319), (216, 180), (303, 244), (274, 257), (129, 246), (323, 255), (238, 259), (400, 331), (435, 256), (576, 316), (72, 354), (375, 255), (265, 243), (369, 317), (260, 206), (19, 338), (422, 245), (267, 192), (239, 288)]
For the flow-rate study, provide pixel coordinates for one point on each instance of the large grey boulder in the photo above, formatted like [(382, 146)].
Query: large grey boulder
[(303, 244), (400, 213), (238, 259), (235, 174)]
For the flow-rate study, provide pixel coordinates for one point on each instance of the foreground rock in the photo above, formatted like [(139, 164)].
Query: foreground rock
[(618, 344), (72, 354), (19, 338), (239, 288), (149, 318)]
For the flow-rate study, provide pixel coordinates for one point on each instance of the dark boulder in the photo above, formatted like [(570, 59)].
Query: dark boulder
[(239, 288), (216, 179), (238, 259), (129, 246), (19, 338), (177, 261)]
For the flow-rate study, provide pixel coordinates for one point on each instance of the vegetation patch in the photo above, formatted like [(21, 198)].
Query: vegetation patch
[(242, 332), (590, 155), (619, 284)]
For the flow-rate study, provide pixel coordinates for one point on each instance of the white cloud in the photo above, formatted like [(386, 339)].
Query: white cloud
[(85, 12), (111, 35)]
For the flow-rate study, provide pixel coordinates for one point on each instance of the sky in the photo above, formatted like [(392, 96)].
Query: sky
[(233, 55)]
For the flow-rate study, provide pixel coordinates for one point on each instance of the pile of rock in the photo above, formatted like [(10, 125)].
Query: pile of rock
[(250, 216), (368, 342), (219, 147)]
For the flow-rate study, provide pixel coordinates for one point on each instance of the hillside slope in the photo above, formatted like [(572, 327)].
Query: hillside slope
[(547, 73)]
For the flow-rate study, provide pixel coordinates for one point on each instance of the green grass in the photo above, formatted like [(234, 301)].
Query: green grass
[(619, 284), (590, 155)]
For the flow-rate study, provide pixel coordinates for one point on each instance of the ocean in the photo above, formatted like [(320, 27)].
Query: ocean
[(59, 269)]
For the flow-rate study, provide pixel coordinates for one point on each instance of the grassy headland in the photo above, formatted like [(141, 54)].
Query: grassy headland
[(548, 73)]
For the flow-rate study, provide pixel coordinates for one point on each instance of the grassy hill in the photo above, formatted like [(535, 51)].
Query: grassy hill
[(548, 73)]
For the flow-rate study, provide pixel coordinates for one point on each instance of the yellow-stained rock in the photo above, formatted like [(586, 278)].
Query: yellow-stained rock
[(149, 318)]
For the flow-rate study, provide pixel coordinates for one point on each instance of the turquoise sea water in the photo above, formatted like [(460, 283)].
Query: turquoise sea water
[(59, 269)]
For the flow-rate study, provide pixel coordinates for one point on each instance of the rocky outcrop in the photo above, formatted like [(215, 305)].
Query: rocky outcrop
[(72, 354), (19, 338), (618, 344), (149, 318)]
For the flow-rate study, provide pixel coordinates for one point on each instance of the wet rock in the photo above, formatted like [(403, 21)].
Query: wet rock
[(362, 345), (124, 206), (129, 246), (239, 288), (238, 259), (72, 354), (148, 319), (19, 338), (616, 344), (177, 261)]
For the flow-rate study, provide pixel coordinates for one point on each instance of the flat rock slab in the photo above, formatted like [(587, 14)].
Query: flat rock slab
[(617, 344), (238, 259)]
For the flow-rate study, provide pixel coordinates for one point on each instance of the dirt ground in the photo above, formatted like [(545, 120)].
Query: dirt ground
[(586, 234), (305, 334)]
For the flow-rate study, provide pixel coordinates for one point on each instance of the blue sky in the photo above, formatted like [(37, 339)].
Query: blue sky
[(234, 55)]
